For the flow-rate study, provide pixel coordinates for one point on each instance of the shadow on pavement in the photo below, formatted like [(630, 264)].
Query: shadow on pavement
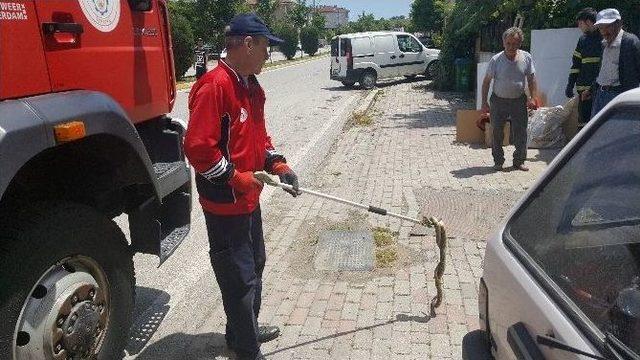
[(474, 346), (399, 318), (187, 347), (473, 171), (151, 308)]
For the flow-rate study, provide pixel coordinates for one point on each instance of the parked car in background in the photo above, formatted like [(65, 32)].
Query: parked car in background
[(561, 278), (371, 56)]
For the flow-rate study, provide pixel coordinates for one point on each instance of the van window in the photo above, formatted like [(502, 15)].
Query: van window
[(582, 229), (345, 46), (407, 43), (334, 47), (384, 44)]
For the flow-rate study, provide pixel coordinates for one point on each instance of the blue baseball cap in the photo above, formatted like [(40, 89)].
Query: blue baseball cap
[(251, 24)]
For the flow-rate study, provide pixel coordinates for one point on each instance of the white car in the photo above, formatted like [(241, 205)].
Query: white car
[(370, 56), (561, 277)]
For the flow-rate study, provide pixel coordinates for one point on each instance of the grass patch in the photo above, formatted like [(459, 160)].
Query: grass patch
[(386, 249), (362, 118), (383, 237), (386, 257)]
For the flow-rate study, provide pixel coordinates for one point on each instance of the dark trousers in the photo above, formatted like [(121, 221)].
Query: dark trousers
[(236, 247), (514, 111), (584, 109)]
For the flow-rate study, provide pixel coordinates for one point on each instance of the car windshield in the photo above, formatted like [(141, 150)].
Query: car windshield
[(583, 228)]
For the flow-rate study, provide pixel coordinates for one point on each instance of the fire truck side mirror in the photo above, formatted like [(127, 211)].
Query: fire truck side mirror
[(141, 5)]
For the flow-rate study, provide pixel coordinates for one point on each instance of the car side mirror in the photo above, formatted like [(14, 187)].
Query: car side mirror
[(141, 5)]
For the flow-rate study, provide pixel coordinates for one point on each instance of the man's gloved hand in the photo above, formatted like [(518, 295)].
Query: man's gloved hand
[(245, 182), (568, 92), (287, 176)]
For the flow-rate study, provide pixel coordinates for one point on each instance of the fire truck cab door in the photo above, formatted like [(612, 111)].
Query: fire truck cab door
[(106, 46)]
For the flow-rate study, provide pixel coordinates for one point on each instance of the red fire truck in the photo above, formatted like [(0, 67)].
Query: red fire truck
[(85, 89)]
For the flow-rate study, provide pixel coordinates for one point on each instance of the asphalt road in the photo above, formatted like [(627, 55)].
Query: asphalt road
[(305, 112)]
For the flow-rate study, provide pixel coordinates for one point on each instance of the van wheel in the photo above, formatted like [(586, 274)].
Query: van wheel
[(348, 83), (432, 70), (67, 282), (368, 80)]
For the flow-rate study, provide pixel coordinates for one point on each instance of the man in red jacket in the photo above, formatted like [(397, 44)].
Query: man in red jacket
[(226, 142)]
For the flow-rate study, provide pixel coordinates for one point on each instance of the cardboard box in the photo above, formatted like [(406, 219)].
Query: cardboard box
[(466, 129), (488, 134)]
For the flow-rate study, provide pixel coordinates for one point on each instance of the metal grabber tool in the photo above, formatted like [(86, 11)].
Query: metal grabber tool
[(437, 225)]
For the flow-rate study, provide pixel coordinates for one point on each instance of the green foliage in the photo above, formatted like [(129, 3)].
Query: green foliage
[(429, 15), (289, 34), (182, 40), (309, 37), (266, 10), (299, 15), (209, 18), (467, 19)]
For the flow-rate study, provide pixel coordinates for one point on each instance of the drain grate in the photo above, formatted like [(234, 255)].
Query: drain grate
[(345, 250)]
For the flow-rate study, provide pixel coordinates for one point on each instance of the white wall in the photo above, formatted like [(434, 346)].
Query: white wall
[(552, 51)]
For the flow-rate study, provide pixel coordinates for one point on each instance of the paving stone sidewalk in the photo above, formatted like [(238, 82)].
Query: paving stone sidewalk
[(407, 161)]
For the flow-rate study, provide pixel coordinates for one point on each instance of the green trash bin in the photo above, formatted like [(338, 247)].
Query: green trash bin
[(463, 74)]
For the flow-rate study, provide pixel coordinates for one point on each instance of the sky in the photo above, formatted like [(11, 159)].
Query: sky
[(379, 8)]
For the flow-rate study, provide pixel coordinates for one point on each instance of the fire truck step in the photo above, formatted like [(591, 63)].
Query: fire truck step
[(171, 175), (170, 243)]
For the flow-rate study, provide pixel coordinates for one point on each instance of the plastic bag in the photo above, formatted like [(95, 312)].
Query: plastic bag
[(545, 128)]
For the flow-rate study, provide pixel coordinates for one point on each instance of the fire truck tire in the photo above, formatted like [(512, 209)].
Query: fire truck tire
[(67, 284)]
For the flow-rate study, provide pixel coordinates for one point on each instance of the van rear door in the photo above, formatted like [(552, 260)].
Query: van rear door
[(339, 57)]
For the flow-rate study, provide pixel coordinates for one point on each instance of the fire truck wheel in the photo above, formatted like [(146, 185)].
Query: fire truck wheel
[(66, 284)]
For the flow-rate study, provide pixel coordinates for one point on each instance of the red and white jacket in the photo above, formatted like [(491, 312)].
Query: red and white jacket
[(227, 132)]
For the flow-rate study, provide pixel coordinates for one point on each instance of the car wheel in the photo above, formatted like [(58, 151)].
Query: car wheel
[(67, 282), (369, 79), (348, 83), (432, 70)]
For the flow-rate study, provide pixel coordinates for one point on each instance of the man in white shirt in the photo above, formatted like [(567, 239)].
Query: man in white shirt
[(620, 65)]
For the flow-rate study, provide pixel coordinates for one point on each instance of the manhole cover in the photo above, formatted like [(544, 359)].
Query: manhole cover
[(345, 250)]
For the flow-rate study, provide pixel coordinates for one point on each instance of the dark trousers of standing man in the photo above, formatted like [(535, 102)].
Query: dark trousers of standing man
[(236, 247), (515, 111), (584, 109)]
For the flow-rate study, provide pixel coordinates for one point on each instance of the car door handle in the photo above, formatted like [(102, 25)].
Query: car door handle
[(393, 56), (402, 56), (50, 28)]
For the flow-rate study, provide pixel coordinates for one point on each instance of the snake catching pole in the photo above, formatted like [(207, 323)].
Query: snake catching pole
[(441, 236)]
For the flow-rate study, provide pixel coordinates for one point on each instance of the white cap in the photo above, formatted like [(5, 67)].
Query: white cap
[(608, 16)]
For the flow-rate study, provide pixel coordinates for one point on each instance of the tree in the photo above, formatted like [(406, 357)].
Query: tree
[(210, 18), (299, 15), (429, 15), (309, 37), (318, 21), (289, 34), (182, 41), (266, 10)]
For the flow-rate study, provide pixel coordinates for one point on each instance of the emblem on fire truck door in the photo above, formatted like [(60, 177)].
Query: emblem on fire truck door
[(104, 15)]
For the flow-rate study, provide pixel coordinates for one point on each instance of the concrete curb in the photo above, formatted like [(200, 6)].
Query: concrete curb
[(368, 101)]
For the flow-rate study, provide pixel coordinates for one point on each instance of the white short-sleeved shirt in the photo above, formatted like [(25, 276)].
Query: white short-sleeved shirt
[(509, 76)]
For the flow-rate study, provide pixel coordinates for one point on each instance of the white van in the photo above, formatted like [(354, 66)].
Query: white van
[(369, 56)]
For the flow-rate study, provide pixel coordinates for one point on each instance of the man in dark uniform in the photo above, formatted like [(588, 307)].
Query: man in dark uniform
[(226, 142), (200, 59), (586, 63)]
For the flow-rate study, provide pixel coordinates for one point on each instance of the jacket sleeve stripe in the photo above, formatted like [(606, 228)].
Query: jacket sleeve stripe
[(217, 170), (577, 54)]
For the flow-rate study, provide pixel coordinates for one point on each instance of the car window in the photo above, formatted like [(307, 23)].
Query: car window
[(384, 44), (407, 43), (334, 47), (583, 228), (345, 44)]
